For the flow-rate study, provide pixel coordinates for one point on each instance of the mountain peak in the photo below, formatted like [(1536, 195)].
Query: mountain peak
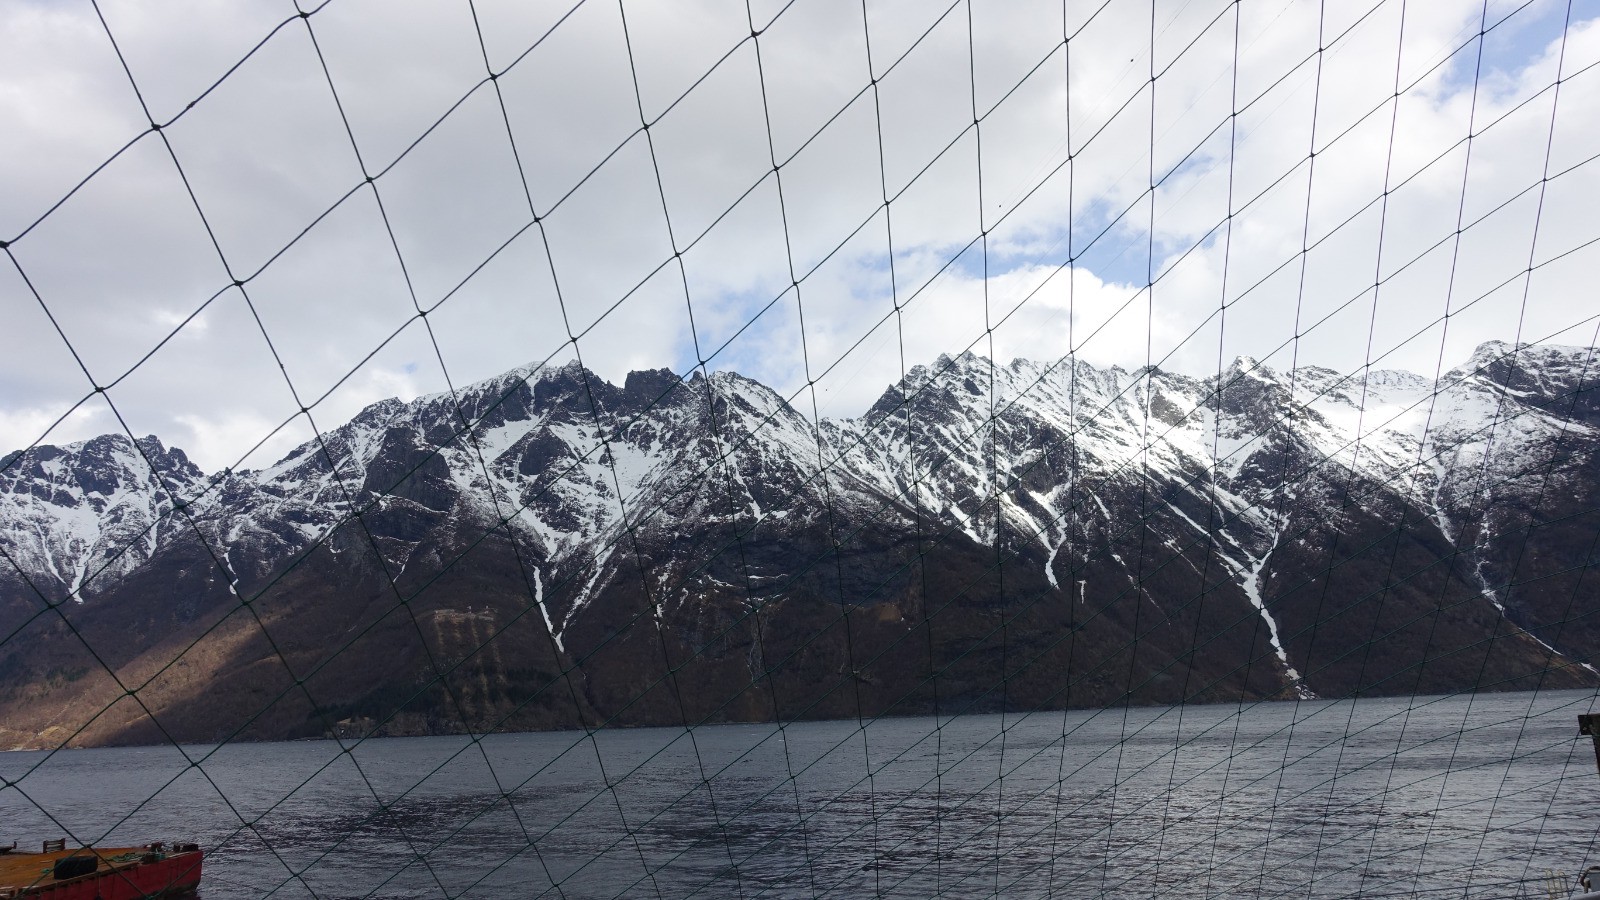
[(651, 382), (1249, 366), (962, 360), (1490, 352)]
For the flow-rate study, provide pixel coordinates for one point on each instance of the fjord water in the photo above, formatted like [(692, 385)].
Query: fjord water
[(1482, 795)]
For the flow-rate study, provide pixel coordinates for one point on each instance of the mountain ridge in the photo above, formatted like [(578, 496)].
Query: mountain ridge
[(573, 510)]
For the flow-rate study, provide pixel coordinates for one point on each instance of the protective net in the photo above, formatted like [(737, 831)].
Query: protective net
[(1202, 594)]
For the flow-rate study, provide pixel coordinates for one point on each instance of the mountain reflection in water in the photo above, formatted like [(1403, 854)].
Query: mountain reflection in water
[(1482, 796)]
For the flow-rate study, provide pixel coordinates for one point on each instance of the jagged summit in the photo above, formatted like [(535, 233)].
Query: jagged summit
[(1492, 351), (1491, 354), (1248, 365)]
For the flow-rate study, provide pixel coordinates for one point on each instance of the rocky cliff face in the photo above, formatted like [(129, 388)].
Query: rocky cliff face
[(546, 549)]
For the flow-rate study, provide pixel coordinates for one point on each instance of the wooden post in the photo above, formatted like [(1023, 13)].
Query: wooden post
[(1589, 724)]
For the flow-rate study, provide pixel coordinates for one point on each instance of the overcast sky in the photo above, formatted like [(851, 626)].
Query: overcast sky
[(125, 265)]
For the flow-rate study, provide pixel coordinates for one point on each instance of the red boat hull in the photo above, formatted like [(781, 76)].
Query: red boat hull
[(171, 876)]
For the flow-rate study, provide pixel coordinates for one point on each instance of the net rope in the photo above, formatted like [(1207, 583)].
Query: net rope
[(857, 816)]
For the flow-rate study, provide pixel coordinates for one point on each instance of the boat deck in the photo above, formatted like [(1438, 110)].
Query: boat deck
[(19, 869)]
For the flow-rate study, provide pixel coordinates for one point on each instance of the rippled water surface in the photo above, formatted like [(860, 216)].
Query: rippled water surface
[(1482, 796)]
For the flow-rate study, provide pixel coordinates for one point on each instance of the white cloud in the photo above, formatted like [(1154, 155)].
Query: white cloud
[(126, 258), (22, 426)]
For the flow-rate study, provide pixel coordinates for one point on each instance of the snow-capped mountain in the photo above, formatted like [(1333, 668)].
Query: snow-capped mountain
[(98, 507), (545, 549)]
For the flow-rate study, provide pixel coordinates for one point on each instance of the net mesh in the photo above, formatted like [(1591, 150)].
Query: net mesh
[(1013, 776)]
